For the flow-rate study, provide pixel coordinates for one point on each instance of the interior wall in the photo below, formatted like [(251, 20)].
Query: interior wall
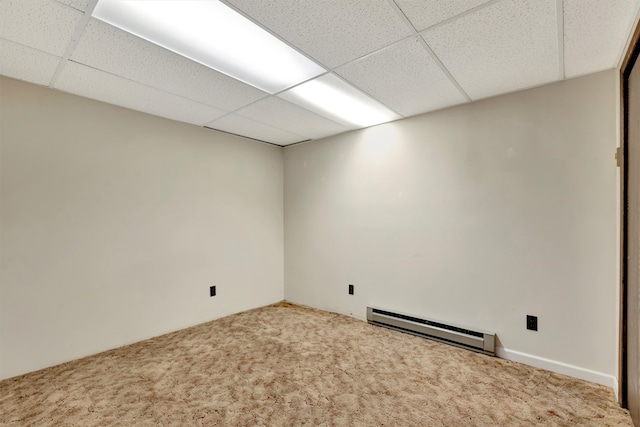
[(114, 223), (477, 215)]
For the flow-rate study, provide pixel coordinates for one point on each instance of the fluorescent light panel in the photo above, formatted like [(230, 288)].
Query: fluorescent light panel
[(211, 33), (331, 97)]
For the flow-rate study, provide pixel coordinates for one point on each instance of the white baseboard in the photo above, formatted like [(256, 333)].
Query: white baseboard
[(559, 367)]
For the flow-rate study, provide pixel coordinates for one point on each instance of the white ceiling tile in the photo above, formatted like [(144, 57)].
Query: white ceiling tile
[(425, 13), (25, 63), (507, 46), (595, 32), (113, 50), (488, 46), (76, 4), (289, 117), (332, 32), (243, 126), (336, 99), (405, 78), (96, 84), (41, 24)]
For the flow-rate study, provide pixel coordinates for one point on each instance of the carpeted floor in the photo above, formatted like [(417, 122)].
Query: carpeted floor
[(285, 365)]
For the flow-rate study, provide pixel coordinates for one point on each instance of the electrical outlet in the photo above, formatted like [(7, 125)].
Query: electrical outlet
[(350, 289), (532, 323), (212, 291)]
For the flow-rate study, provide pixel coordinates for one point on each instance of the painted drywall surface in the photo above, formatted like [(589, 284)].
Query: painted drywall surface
[(476, 215), (115, 223)]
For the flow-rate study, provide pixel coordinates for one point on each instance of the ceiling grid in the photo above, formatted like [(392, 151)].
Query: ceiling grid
[(87, 9), (410, 56), (426, 46), (481, 4)]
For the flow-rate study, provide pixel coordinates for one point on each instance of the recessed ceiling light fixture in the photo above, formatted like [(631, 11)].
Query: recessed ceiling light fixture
[(213, 34), (331, 97)]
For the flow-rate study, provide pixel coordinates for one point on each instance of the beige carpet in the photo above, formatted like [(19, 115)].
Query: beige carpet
[(285, 365)]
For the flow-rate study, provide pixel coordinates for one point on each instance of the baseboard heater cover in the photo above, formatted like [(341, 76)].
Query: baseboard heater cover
[(472, 339)]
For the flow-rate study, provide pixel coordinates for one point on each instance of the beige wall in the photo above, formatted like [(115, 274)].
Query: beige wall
[(113, 225), (476, 215)]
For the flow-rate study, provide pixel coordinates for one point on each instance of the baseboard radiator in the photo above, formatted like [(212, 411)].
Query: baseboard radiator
[(472, 339)]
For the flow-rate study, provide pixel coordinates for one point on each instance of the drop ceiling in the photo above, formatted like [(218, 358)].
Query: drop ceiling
[(413, 56)]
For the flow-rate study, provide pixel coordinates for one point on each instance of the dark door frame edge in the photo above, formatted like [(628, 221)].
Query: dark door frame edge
[(630, 59)]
